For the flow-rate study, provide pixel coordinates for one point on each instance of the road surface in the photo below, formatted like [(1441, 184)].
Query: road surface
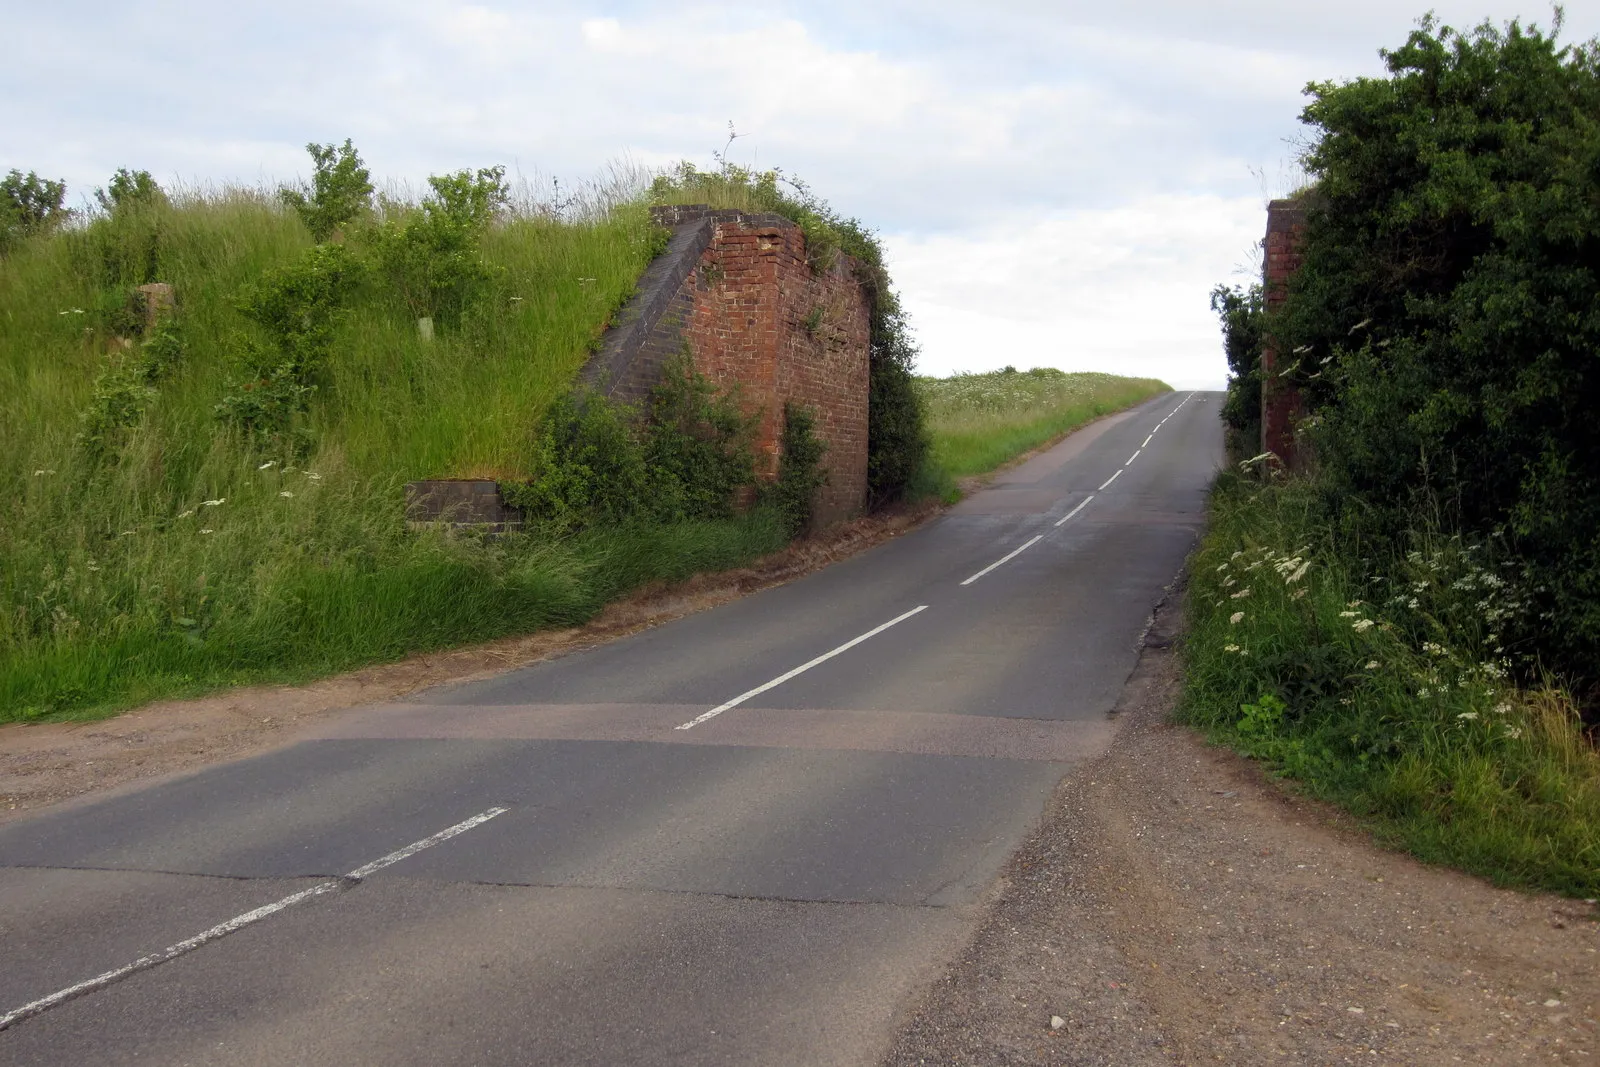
[(744, 837)]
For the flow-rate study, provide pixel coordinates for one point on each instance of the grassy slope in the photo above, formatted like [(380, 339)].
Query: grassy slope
[(1381, 686), (979, 421), (119, 584)]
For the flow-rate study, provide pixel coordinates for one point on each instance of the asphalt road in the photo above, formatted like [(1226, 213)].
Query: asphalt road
[(745, 837)]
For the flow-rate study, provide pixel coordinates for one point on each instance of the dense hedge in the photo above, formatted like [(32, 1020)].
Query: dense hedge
[(1445, 323)]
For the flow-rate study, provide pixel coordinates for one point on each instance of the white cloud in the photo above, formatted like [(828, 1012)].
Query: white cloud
[(1124, 289)]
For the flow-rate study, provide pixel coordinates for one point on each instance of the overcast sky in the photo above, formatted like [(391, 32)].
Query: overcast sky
[(1057, 184)]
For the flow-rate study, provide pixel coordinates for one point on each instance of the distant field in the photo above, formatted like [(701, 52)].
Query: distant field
[(979, 421)]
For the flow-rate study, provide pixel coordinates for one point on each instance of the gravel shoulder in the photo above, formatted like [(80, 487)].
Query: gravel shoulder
[(1177, 905)]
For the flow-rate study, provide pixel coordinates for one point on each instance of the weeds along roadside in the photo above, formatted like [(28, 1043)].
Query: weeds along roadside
[(1380, 683)]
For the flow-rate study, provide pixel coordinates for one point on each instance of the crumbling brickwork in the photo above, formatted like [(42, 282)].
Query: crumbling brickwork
[(738, 291)]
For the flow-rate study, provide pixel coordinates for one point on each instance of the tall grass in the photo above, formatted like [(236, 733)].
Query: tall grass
[(980, 421), (184, 560), (1383, 684)]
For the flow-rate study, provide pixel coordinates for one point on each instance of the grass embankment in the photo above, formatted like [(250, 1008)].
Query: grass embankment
[(185, 556), (980, 421), (1381, 684)]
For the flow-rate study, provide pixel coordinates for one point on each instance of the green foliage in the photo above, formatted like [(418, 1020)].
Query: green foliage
[(29, 205), (698, 447), (1448, 308), (297, 308), (1242, 315), (800, 470), (123, 392), (897, 439), (1381, 680), (129, 189), (599, 463), (433, 257), (341, 191)]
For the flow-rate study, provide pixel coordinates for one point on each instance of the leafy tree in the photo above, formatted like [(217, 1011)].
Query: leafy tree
[(129, 189), (1240, 310), (30, 204)]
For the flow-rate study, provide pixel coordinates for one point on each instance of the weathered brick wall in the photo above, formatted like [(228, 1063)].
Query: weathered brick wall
[(737, 288), (1280, 400)]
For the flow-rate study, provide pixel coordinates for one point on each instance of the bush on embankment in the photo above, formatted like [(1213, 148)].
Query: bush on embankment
[(1403, 622)]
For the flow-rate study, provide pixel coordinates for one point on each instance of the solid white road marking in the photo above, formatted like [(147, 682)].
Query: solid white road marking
[(238, 922), (1013, 554), (742, 697), (1108, 481), (1133, 457), (1062, 521)]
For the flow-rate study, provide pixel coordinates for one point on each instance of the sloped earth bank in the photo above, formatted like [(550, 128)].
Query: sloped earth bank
[(42, 764), (1178, 906)]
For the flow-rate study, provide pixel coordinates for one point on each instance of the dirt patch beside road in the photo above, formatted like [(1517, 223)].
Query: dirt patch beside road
[(42, 764), (1178, 906)]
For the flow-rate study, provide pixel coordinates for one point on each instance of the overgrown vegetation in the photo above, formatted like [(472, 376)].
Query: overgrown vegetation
[(979, 421), (897, 436), (219, 499), (1398, 624), (1379, 678)]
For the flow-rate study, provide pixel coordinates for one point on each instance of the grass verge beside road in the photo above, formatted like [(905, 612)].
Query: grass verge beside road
[(1383, 685), (980, 421)]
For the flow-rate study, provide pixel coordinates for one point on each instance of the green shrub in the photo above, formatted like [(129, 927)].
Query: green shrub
[(129, 189), (432, 257), (341, 191), (1445, 310), (1241, 312), (123, 392), (800, 470), (685, 457)]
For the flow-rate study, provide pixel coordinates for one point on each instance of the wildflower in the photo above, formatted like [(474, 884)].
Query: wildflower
[(1230, 648), (268, 463), (1419, 586), (1298, 593), (1300, 572), (1348, 614), (1241, 594), (186, 514), (314, 476), (1222, 566), (208, 531), (1502, 708), (1468, 715), (1354, 604), (1424, 692), (1230, 581), (41, 473), (1372, 664), (1412, 603), (1237, 554), (1513, 732), (1432, 648), (286, 493), (1361, 626), (214, 503), (1236, 617)]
